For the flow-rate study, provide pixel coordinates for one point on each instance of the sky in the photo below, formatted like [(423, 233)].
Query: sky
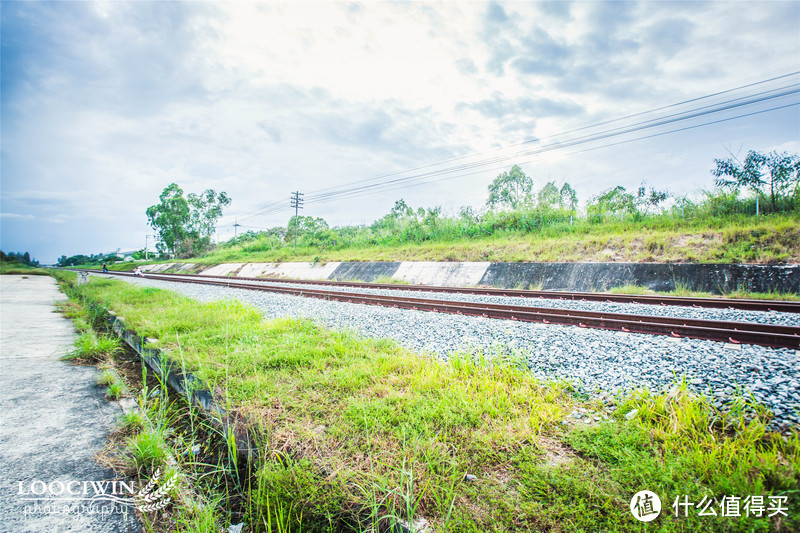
[(104, 104)]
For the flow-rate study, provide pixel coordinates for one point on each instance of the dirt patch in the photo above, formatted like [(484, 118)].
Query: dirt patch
[(556, 453)]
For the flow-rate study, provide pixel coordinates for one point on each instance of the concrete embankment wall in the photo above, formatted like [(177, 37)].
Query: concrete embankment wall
[(715, 278)]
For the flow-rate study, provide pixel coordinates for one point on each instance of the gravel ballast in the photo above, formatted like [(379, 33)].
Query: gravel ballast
[(594, 360), (702, 313)]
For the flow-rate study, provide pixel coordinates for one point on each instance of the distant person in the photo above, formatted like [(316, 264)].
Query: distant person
[(137, 271), (105, 269)]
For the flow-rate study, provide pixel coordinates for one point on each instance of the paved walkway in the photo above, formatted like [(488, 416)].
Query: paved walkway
[(53, 419)]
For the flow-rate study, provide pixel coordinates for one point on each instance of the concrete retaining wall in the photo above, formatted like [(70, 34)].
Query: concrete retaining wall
[(715, 278), (289, 270)]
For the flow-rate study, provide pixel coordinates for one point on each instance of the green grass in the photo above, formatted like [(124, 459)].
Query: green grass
[(107, 377), (683, 290), (356, 433), (132, 422), (89, 348), (148, 450), (773, 238), (12, 267), (116, 390), (391, 280), (631, 289)]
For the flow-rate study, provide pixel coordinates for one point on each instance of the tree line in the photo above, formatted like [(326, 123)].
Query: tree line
[(514, 205), (186, 223), (23, 258)]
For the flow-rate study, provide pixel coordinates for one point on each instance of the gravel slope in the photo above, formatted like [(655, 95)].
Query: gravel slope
[(703, 313), (593, 360)]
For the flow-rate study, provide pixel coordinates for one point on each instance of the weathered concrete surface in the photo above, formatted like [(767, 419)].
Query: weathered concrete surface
[(223, 269), (441, 273), (53, 417), (366, 271), (159, 267), (715, 278), (289, 270)]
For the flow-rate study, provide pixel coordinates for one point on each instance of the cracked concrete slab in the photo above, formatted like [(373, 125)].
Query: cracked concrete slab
[(53, 419)]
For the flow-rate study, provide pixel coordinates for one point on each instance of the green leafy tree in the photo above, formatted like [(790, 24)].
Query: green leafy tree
[(549, 197), (401, 209), (308, 227), (170, 218), (205, 211), (649, 198), (80, 259), (612, 201), (512, 189), (391, 220), (16, 257), (139, 254), (569, 198), (777, 172), (185, 226), (468, 215)]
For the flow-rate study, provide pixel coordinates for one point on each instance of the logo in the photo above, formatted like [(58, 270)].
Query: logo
[(645, 506), (88, 495), (154, 497)]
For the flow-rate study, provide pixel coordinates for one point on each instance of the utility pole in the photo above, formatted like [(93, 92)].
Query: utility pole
[(297, 203), (235, 226), (146, 238)]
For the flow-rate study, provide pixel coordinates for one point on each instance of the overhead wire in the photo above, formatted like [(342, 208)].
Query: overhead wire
[(406, 186), (352, 189), (723, 106), (529, 141)]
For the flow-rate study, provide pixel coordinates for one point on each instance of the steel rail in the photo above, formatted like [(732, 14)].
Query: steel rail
[(648, 299), (731, 332)]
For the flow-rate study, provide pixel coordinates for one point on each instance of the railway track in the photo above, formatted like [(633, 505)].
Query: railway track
[(723, 331), (650, 299)]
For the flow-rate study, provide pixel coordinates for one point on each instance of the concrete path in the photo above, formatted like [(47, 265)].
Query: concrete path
[(53, 419)]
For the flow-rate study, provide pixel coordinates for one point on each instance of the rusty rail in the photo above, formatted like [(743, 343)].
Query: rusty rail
[(724, 331)]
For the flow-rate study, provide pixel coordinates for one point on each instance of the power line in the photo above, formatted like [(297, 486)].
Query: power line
[(723, 106), (352, 189), (407, 186), (583, 128)]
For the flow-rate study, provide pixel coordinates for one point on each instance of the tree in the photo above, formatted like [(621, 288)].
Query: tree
[(16, 257), (309, 227), (569, 198), (612, 201), (512, 189), (205, 210), (185, 226), (549, 198), (645, 199), (782, 172), (170, 218), (401, 209)]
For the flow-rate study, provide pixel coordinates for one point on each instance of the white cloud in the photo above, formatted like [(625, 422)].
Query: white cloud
[(106, 103)]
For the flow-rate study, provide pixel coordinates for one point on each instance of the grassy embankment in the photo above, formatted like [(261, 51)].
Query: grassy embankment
[(12, 267), (355, 432), (682, 291), (767, 239)]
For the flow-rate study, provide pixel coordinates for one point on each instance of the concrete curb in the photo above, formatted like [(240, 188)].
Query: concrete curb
[(193, 390), (187, 385)]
